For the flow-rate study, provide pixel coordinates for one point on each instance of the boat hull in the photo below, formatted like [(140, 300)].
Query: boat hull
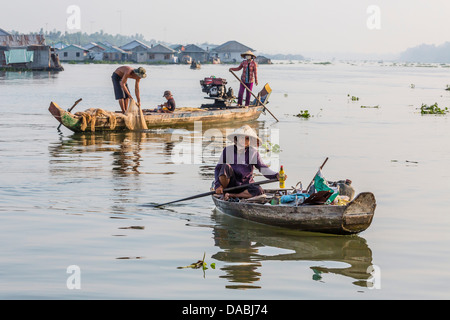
[(352, 218), (158, 120)]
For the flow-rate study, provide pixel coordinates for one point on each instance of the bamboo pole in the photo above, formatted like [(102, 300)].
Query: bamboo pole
[(253, 95)]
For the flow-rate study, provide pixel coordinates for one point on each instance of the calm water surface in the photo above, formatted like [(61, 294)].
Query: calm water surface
[(79, 199)]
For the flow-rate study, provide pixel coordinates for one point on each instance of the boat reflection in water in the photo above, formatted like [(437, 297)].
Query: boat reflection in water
[(243, 244)]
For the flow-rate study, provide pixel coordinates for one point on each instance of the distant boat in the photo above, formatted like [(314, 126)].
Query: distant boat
[(195, 65)]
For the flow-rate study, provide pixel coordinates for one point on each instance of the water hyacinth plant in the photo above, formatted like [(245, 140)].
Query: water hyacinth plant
[(433, 109), (303, 114)]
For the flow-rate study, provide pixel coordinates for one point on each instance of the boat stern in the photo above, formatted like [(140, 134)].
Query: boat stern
[(359, 213)]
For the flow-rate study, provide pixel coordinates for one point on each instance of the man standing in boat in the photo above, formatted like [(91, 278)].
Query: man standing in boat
[(249, 76), (121, 90), (236, 164)]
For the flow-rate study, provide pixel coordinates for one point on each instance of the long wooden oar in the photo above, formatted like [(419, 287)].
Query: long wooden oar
[(312, 181), (253, 95), (213, 192), (70, 109)]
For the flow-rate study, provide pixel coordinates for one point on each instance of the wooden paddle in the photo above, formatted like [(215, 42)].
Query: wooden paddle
[(253, 94), (70, 109), (213, 192), (312, 181)]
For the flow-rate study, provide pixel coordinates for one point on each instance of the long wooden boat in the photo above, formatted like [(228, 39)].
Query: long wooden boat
[(352, 218), (181, 117)]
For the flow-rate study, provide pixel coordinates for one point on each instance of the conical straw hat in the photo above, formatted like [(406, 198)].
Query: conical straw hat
[(244, 131), (248, 53)]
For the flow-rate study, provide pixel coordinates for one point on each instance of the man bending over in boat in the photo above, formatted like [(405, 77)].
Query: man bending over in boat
[(236, 165), (121, 90), (168, 106)]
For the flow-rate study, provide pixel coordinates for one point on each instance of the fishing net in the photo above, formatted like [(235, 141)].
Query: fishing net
[(89, 118), (134, 118)]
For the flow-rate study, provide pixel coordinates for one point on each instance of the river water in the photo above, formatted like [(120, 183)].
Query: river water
[(74, 221)]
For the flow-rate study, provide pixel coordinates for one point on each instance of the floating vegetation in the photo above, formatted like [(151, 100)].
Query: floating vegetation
[(133, 227), (447, 88), (412, 85), (373, 107), (199, 264), (304, 114), (406, 161), (354, 98), (433, 109), (323, 63)]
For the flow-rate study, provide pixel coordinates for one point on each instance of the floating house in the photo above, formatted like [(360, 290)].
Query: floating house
[(229, 51), (138, 50), (195, 52), (263, 60), (95, 51), (27, 52), (114, 53), (73, 52), (161, 53)]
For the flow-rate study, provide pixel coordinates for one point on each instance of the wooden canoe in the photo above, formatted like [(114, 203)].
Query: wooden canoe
[(352, 218), (181, 117)]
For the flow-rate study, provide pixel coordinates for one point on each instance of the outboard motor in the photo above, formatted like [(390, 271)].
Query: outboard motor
[(216, 89)]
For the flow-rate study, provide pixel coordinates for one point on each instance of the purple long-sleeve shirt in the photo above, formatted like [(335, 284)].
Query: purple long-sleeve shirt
[(243, 165)]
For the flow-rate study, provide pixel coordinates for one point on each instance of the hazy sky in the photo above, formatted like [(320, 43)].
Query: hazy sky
[(275, 26)]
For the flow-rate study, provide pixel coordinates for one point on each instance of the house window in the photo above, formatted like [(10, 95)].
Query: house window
[(65, 54), (78, 54), (117, 56), (166, 56), (151, 56)]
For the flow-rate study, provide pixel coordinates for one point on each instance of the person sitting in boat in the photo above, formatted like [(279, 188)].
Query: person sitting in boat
[(121, 90), (236, 165), (168, 106), (249, 76)]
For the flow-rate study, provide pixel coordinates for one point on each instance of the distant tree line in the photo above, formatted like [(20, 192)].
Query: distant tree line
[(427, 53), (82, 38)]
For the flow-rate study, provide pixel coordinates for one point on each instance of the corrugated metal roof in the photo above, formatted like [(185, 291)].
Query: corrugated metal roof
[(114, 49), (73, 47), (22, 40), (92, 45), (192, 48), (133, 44), (160, 48), (232, 46), (4, 33), (59, 45)]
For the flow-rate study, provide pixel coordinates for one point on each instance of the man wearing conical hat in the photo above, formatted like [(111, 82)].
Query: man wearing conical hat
[(121, 90), (236, 165), (249, 76)]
